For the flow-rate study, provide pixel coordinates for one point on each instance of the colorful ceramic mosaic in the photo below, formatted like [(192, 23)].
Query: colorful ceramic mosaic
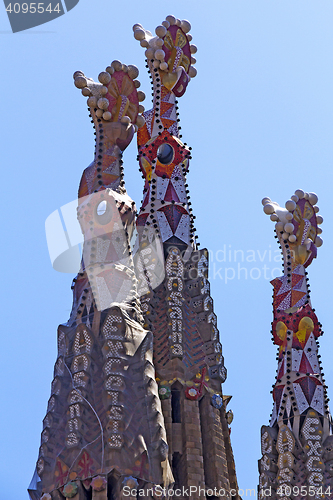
[(136, 401), (294, 462)]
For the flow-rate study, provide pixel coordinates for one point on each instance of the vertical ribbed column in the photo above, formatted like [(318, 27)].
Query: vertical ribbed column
[(214, 454), (193, 446)]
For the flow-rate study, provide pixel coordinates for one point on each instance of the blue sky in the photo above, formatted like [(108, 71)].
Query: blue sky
[(259, 118)]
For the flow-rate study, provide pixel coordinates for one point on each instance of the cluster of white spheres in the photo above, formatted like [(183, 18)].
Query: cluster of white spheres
[(287, 228)]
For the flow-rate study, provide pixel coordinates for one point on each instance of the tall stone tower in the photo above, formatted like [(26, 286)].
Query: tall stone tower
[(297, 446), (136, 404), (187, 351)]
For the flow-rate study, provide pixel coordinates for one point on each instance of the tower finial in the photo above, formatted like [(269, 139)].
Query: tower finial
[(114, 97), (295, 445), (297, 232), (169, 52)]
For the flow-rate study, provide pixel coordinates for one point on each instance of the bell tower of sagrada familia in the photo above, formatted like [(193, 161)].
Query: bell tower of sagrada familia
[(136, 404), (297, 446)]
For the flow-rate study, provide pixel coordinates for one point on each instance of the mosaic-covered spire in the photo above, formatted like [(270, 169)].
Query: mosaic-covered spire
[(137, 381), (296, 446), (104, 428), (179, 309)]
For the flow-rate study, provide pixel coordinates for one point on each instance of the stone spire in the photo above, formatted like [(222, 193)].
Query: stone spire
[(297, 445), (104, 427), (178, 309), (136, 402)]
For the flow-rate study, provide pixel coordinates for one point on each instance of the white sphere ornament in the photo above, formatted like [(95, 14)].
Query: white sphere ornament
[(139, 34), (274, 218), (86, 92), (171, 19), (103, 91), (92, 102), (294, 197), (193, 60), (318, 241), (285, 236), (160, 31), (279, 227), (144, 43), (159, 54), (137, 26), (110, 70), (189, 37), (269, 209), (103, 103), (164, 66), (141, 108), (80, 82), (289, 227), (99, 113), (185, 26), (107, 116), (192, 72), (319, 219), (104, 77), (117, 65), (299, 193), (289, 216), (159, 42), (137, 84), (77, 74), (313, 198), (316, 209), (141, 96), (307, 241), (149, 53), (193, 49), (290, 205), (156, 63), (166, 24), (140, 121), (292, 238), (126, 120), (265, 200)]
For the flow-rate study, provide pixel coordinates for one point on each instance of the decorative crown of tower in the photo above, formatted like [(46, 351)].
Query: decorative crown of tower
[(297, 232), (170, 52), (115, 97)]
